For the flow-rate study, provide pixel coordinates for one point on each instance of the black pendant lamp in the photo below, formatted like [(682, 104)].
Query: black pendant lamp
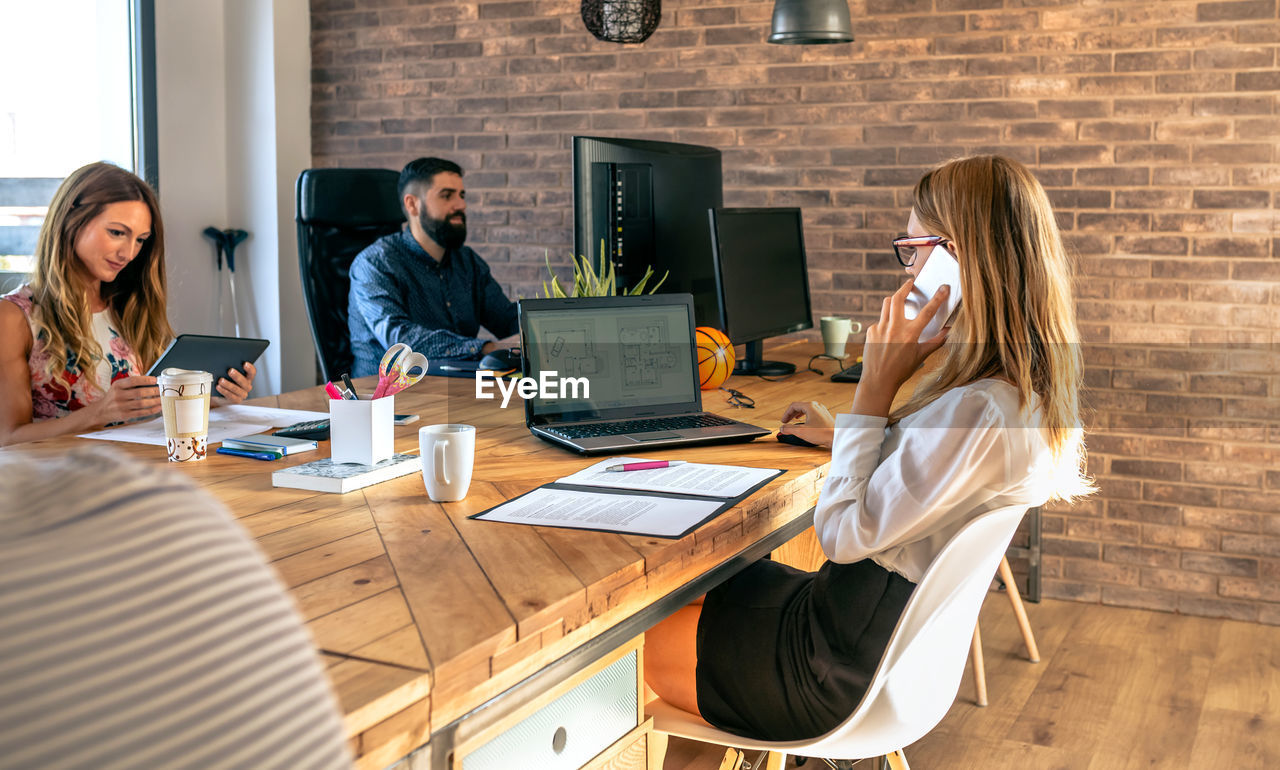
[(810, 22), (621, 21)]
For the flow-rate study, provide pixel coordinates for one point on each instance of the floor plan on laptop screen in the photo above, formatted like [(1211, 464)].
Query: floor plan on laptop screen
[(647, 353), (637, 356)]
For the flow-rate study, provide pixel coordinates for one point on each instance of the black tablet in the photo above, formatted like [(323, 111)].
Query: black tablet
[(204, 352)]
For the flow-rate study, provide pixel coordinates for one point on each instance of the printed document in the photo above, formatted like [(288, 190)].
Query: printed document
[(626, 514), (224, 422), (723, 481)]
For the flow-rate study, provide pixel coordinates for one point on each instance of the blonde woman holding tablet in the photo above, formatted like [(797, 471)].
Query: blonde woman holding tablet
[(76, 341)]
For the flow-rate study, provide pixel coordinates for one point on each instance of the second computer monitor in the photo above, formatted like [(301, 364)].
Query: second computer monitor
[(762, 280), (647, 202)]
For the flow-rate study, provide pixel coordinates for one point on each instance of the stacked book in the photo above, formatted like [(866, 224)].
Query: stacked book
[(327, 476), (265, 446)]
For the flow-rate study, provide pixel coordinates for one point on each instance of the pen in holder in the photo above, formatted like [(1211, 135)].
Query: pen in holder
[(362, 430)]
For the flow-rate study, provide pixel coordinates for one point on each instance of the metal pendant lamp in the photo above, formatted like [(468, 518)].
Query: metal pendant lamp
[(621, 21), (810, 22)]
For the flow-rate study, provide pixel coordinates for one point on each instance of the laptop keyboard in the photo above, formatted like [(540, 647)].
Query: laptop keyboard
[(682, 422)]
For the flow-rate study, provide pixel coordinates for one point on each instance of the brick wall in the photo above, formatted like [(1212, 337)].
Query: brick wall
[(1154, 126)]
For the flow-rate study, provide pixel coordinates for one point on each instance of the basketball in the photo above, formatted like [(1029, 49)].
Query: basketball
[(715, 357)]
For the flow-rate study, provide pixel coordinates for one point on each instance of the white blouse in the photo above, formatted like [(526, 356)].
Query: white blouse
[(896, 495)]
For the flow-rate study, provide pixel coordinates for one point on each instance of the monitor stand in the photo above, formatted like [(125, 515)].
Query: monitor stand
[(753, 364)]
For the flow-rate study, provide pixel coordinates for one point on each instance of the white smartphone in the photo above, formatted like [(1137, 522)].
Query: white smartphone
[(940, 269)]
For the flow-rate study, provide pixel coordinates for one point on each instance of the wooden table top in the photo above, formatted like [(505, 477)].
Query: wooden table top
[(422, 614)]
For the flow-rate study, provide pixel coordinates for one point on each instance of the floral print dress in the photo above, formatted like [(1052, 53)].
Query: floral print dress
[(49, 398)]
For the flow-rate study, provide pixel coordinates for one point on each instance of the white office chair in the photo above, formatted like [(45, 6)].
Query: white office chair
[(920, 674)]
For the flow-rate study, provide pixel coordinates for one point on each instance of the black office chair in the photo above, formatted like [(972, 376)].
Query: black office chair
[(339, 211)]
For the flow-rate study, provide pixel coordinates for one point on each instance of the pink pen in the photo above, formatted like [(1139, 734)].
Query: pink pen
[(645, 465), (332, 390)]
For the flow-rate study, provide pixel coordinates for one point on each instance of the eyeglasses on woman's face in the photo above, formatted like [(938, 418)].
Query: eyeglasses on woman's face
[(907, 247)]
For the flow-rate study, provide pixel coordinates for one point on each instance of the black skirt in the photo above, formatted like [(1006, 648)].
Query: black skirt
[(785, 654)]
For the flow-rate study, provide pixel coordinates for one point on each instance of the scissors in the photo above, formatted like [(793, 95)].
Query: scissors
[(400, 368)]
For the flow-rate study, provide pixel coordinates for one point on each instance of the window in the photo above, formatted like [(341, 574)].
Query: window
[(79, 87)]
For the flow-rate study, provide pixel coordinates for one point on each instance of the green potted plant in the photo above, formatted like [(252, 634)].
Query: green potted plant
[(588, 281)]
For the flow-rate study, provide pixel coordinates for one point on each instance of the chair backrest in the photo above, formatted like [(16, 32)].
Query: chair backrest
[(920, 673), (339, 212)]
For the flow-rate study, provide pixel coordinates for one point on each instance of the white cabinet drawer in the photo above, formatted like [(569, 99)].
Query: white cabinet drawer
[(571, 729)]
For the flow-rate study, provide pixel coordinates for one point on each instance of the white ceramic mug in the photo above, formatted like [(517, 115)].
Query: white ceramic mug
[(448, 456), (835, 332)]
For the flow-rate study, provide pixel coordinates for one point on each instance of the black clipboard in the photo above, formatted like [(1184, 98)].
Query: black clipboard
[(727, 503), (208, 353)]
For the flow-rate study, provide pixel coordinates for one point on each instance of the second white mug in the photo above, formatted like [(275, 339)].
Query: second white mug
[(448, 457), (835, 332)]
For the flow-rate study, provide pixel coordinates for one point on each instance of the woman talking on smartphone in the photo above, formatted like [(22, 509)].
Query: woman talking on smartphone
[(776, 653)]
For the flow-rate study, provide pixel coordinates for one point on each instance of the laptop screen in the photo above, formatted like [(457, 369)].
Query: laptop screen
[(636, 353)]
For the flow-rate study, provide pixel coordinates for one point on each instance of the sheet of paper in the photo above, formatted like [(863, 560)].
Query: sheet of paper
[(224, 422), (628, 514), (690, 479)]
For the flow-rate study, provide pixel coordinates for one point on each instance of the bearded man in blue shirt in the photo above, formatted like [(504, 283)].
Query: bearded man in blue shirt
[(422, 286)]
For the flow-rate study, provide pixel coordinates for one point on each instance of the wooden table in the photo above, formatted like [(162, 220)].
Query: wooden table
[(434, 626)]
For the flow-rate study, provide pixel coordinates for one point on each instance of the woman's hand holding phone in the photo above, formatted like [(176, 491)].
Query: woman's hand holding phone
[(894, 350), (940, 269)]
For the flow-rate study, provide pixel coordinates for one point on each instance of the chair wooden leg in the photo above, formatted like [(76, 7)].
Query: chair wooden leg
[(1020, 612), (979, 669), (732, 759), (657, 750), (736, 759), (897, 760)]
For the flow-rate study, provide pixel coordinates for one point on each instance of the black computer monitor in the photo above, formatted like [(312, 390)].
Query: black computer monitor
[(648, 202), (762, 280)]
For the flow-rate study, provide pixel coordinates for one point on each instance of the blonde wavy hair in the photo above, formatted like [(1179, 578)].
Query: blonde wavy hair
[(1017, 315), (135, 299)]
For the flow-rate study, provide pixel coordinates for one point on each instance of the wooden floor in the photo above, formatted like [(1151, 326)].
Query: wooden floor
[(1115, 688)]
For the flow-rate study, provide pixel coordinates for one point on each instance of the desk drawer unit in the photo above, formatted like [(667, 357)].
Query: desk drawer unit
[(571, 729)]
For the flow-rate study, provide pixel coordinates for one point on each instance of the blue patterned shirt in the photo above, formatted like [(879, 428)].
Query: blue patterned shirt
[(399, 293)]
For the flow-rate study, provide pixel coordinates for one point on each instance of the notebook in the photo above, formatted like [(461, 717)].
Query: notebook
[(259, 442), (327, 476), (621, 375)]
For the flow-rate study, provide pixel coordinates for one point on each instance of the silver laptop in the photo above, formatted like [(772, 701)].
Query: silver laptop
[(621, 375)]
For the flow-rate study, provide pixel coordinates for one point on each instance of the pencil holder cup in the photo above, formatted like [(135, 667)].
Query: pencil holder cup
[(363, 430)]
